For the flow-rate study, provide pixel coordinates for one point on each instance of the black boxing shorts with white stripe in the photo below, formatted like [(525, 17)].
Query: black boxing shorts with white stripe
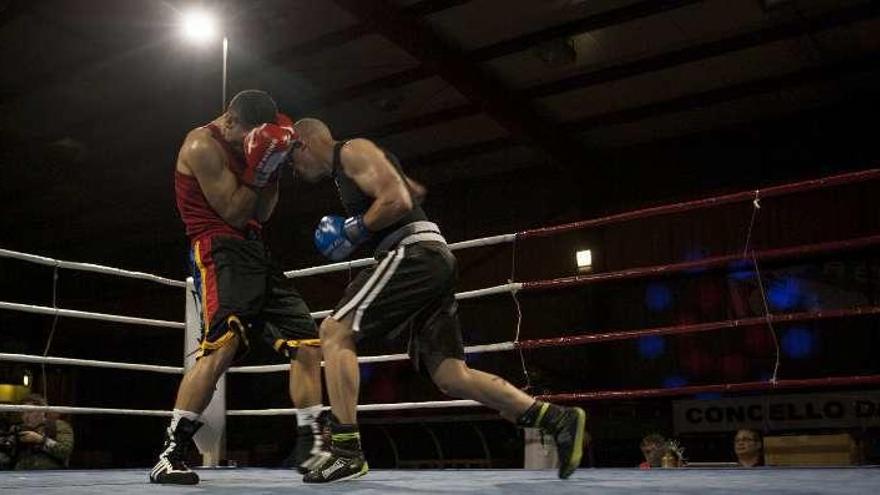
[(411, 289)]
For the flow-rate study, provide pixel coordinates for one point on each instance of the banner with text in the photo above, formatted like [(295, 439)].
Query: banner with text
[(779, 412)]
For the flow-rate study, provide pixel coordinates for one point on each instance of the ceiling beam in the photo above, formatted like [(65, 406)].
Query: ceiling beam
[(647, 64), (693, 53), (288, 56), (747, 89), (417, 39), (594, 22)]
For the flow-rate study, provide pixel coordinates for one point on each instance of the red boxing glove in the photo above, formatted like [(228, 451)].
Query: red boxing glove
[(265, 148), (283, 120)]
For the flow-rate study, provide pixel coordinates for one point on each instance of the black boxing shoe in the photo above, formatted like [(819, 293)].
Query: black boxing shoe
[(309, 451), (345, 460), (338, 465), (567, 426), (171, 468), (568, 430)]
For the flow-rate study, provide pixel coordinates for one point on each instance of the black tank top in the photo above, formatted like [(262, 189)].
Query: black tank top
[(356, 202)]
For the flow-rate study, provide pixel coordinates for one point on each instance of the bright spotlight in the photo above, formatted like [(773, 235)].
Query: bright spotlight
[(199, 25)]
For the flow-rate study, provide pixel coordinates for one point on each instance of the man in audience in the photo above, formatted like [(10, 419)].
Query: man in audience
[(652, 450), (43, 442), (749, 448)]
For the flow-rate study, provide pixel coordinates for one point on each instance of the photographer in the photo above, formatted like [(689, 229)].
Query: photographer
[(43, 443)]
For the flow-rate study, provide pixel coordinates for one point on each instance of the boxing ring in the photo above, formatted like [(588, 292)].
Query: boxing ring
[(210, 438), (453, 482)]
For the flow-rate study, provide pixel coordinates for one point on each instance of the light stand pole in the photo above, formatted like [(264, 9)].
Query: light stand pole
[(225, 64)]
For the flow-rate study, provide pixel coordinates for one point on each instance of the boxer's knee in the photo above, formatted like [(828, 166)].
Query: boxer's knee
[(334, 333), (452, 377)]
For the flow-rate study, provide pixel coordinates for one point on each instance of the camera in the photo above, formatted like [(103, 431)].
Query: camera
[(8, 444)]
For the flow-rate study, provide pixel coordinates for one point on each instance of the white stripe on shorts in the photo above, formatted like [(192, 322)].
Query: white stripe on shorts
[(359, 314), (356, 299)]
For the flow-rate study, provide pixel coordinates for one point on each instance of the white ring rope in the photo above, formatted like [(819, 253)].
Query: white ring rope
[(30, 308), (471, 294), (348, 265), (332, 267), (399, 406), (83, 410), (28, 358), (89, 267), (474, 349), (239, 412)]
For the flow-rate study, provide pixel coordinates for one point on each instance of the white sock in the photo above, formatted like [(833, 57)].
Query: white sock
[(180, 413), (306, 416)]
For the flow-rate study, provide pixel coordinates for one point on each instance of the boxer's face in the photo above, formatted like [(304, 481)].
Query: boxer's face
[(234, 130), (306, 163)]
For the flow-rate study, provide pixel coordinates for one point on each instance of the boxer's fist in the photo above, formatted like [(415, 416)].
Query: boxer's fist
[(266, 147), (337, 237)]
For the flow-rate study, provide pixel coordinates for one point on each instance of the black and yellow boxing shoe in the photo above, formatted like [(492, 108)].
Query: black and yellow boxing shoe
[(345, 460), (569, 433), (567, 426)]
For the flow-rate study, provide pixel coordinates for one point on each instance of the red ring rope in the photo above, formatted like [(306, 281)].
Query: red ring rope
[(784, 189)]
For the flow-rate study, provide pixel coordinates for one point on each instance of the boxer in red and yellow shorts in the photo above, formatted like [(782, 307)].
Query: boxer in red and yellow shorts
[(241, 289)]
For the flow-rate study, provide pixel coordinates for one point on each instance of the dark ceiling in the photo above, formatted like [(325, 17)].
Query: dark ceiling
[(96, 95)]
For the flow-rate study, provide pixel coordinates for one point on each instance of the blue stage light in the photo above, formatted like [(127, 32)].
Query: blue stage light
[(798, 343), (658, 297)]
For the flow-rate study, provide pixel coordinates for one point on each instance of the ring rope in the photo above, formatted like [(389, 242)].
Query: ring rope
[(592, 338), (711, 202), (72, 313), (836, 381), (566, 341), (362, 262), (535, 285), (753, 195), (398, 406), (474, 349), (29, 358), (647, 271), (89, 267), (710, 262)]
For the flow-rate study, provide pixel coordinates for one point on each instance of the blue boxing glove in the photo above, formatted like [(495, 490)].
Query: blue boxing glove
[(337, 237)]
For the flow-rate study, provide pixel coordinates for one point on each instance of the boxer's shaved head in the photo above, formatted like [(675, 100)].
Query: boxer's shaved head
[(310, 128), (314, 159)]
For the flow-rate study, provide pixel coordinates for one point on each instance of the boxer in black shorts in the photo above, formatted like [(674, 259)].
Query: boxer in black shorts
[(410, 291), (226, 183)]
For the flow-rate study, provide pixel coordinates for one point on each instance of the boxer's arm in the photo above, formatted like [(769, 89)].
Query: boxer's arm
[(267, 201), (367, 166), (416, 190), (234, 203)]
